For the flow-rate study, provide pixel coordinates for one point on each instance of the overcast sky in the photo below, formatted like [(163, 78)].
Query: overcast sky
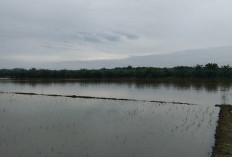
[(63, 30)]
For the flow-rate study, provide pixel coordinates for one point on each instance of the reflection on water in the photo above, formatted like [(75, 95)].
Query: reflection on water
[(207, 92), (48, 126)]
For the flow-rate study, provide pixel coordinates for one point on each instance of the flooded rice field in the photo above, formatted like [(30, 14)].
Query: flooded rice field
[(36, 125), (46, 126), (198, 92)]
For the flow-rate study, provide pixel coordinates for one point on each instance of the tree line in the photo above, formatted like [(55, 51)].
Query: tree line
[(210, 70)]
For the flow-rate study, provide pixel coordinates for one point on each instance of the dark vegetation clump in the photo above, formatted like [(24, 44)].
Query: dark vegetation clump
[(210, 70)]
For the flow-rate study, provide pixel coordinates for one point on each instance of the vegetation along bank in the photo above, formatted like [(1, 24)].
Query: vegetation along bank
[(210, 70)]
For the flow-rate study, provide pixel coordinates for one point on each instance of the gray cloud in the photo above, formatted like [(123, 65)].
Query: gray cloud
[(96, 37)]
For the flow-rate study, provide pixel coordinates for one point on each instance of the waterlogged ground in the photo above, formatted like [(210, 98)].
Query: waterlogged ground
[(60, 126), (204, 92), (32, 126)]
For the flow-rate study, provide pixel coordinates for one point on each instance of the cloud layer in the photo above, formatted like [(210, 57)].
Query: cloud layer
[(58, 30)]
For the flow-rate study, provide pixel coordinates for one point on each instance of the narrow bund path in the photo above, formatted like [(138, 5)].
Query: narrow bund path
[(223, 136), (92, 97)]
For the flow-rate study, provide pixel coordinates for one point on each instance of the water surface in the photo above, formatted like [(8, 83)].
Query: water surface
[(205, 92), (66, 127)]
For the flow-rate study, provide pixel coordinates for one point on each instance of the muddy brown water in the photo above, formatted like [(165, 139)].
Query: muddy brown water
[(35, 125)]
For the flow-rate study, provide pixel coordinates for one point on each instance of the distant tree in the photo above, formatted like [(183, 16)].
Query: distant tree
[(210, 70), (211, 66), (129, 67), (226, 71)]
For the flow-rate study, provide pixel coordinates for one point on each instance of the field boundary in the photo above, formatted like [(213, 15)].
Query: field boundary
[(223, 135)]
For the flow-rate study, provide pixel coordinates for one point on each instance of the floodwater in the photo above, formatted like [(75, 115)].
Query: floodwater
[(206, 92), (61, 126)]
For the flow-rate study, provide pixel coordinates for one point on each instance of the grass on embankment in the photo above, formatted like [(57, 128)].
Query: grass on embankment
[(223, 136)]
